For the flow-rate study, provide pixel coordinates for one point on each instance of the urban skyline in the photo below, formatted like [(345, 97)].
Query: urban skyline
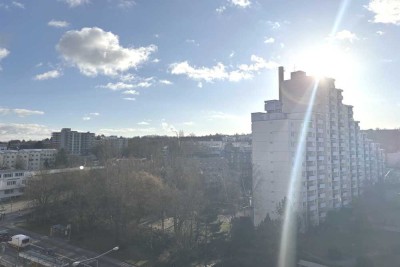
[(157, 71)]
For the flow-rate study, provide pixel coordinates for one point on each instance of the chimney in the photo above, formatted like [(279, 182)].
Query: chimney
[(281, 72)]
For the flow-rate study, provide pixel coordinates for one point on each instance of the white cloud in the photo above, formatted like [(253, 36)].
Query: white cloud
[(380, 33), (48, 75), (241, 3), (168, 127), (346, 35), (235, 3), (130, 92), (127, 77), (156, 60), (237, 75), (258, 64), (232, 54), (188, 123), (143, 123), (166, 82), (144, 84), (129, 98), (385, 11), (138, 83), (95, 51), (220, 9), (275, 25), (26, 112), (90, 116), (128, 131), (75, 3), (3, 53), (18, 4), (126, 3), (219, 71), (20, 112), (117, 86), (9, 131), (269, 40), (58, 23)]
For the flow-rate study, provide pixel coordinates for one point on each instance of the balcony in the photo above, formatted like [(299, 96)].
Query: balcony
[(322, 195), (312, 207), (312, 178), (321, 186), (312, 187)]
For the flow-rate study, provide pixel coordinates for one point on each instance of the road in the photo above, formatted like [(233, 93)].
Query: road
[(61, 247)]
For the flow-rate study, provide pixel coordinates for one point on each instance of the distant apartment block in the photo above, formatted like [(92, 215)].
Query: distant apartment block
[(73, 142), (338, 160), (12, 183), (3, 146), (27, 159), (116, 144)]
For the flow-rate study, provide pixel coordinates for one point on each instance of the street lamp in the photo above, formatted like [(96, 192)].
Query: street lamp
[(76, 263)]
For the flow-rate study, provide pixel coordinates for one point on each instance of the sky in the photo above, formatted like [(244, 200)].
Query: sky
[(145, 67)]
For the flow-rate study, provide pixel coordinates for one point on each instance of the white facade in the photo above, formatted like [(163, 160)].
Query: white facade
[(27, 159), (337, 159), (12, 183)]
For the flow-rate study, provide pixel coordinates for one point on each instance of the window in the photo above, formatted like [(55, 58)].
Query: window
[(8, 191), (8, 175), (11, 182)]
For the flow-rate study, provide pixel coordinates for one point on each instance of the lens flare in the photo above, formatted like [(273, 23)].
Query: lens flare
[(287, 251)]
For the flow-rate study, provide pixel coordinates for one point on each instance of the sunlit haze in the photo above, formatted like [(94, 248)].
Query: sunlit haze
[(328, 61)]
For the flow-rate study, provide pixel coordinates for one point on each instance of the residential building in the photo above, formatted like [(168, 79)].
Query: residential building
[(336, 160), (8, 159), (114, 143), (3, 146), (12, 183), (27, 159), (73, 142)]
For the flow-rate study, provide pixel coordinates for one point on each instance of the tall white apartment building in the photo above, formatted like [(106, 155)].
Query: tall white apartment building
[(337, 160), (27, 159), (74, 143)]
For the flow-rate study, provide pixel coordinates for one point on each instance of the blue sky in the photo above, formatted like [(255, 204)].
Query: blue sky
[(129, 68)]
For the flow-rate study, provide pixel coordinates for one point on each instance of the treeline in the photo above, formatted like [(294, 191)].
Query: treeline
[(162, 207)]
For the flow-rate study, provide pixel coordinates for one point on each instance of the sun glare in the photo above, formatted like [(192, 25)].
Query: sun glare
[(326, 61)]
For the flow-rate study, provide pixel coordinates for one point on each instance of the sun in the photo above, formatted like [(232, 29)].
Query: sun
[(327, 61)]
